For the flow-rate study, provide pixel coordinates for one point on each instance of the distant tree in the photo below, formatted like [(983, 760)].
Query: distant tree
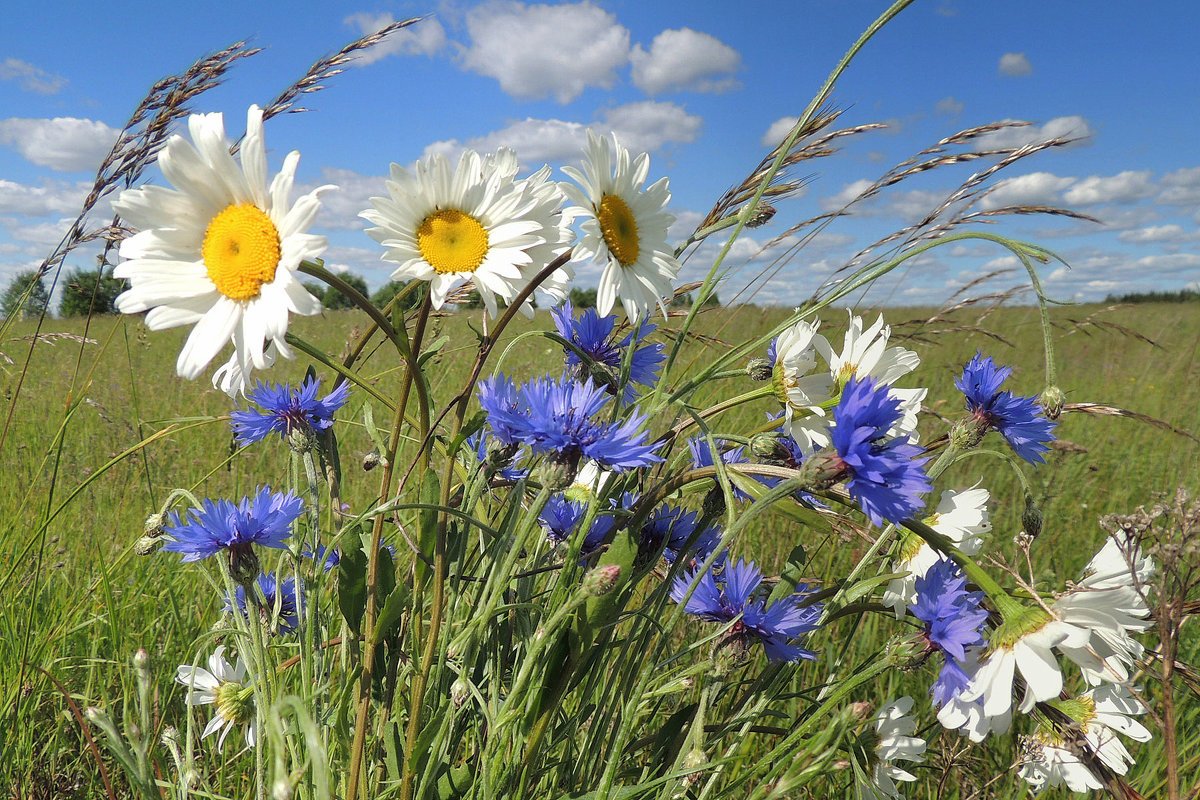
[(89, 291), (583, 298), (686, 300), (473, 300), (384, 294), (317, 290), (1181, 296), (15, 301), (334, 300)]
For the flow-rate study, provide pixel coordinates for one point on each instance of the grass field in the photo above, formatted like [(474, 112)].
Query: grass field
[(76, 487)]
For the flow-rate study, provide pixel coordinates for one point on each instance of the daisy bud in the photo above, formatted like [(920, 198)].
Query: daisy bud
[(170, 738), (154, 526), (760, 369), (460, 692), (1051, 401), (244, 565), (302, 439), (601, 580), (1031, 519), (146, 545), (556, 474), (968, 433)]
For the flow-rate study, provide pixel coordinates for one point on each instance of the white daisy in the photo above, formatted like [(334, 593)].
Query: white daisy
[(219, 251), (793, 379), (225, 685), (1023, 643), (1054, 757), (625, 226), (864, 354), (1109, 603), (961, 517), (471, 222), (893, 741)]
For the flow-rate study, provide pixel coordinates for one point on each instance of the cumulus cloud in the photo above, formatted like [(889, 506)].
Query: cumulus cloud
[(1034, 189), (1159, 234), (48, 198), (949, 106), (1124, 187), (424, 38), (1015, 65), (539, 51), (31, 78), (685, 59), (1181, 187), (647, 125), (340, 208), (779, 129), (1069, 127), (66, 144)]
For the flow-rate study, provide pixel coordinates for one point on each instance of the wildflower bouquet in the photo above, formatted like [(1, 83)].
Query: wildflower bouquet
[(555, 591)]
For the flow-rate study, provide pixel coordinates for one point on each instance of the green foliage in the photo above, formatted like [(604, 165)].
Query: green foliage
[(1181, 296), (87, 292), (334, 300), (384, 294), (583, 298), (26, 296), (685, 300)]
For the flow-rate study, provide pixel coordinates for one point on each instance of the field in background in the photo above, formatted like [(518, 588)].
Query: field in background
[(77, 602)]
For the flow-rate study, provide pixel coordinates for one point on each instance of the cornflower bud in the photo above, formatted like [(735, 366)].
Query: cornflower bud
[(372, 460), (146, 545), (281, 789), (460, 692), (762, 214), (601, 580), (154, 526), (767, 448), (1052, 400), (1031, 518), (696, 759)]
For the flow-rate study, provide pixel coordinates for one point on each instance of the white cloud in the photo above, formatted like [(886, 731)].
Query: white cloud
[(779, 129), (31, 78), (847, 195), (949, 106), (50, 197), (1121, 188), (537, 51), (645, 126), (1034, 189), (67, 144), (340, 208), (424, 38), (1015, 65), (1068, 127), (1159, 234), (685, 59), (1181, 187)]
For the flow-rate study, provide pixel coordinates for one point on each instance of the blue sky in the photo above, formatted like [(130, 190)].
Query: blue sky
[(698, 85)]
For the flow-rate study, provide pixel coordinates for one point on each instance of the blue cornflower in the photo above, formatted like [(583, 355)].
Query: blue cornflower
[(283, 600), (330, 557), (285, 410), (1018, 419), (557, 418), (773, 352), (595, 336), (506, 469), (731, 595), (672, 528), (885, 476), (560, 517), (702, 456), (264, 520), (953, 622)]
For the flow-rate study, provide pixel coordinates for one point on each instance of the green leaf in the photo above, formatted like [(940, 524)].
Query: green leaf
[(791, 576), (429, 351), (352, 586), (864, 587), (389, 616)]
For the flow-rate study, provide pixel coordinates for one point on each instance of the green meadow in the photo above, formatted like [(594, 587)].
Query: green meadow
[(99, 430)]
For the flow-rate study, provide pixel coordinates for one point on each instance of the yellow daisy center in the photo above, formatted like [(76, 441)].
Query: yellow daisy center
[(451, 241), (620, 229), (241, 251)]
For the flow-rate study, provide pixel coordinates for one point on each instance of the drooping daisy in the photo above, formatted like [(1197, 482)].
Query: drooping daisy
[(625, 227), (1066, 752), (219, 251), (732, 596), (884, 475), (1018, 419), (1108, 603), (961, 517), (594, 336), (226, 686), (891, 740), (287, 411), (265, 520), (282, 602), (472, 222), (802, 390)]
